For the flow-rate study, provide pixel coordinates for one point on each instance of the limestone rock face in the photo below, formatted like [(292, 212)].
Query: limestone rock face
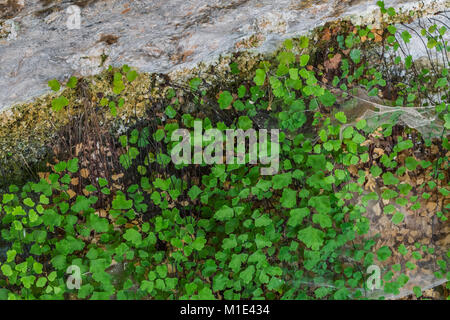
[(45, 39)]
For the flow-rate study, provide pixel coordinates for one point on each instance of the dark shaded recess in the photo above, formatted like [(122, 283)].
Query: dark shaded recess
[(50, 6), (109, 39), (10, 9), (93, 144)]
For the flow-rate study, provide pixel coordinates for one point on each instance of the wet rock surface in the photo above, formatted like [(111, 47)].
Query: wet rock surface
[(38, 41)]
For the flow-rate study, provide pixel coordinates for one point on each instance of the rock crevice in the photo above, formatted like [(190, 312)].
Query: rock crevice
[(37, 44)]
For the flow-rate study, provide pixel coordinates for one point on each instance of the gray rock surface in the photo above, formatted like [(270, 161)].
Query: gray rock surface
[(37, 43)]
